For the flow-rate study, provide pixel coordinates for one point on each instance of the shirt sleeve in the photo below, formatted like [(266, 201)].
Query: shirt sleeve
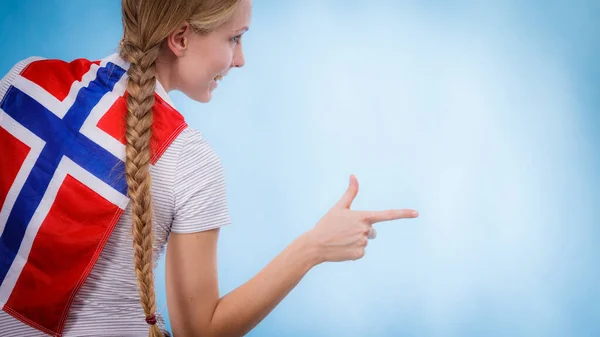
[(199, 188)]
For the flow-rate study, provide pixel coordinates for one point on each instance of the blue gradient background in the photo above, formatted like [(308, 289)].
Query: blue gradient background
[(484, 116)]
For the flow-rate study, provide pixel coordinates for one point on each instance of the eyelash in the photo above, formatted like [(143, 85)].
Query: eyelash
[(236, 39)]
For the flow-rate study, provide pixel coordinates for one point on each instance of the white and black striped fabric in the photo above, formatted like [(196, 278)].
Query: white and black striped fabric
[(189, 195)]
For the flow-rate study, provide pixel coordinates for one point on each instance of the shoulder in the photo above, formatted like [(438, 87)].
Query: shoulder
[(199, 188), (199, 167), (194, 150), (189, 159), (38, 63), (20, 65), (49, 74), (14, 71), (189, 137)]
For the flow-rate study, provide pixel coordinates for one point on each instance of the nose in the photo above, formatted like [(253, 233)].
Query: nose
[(238, 58)]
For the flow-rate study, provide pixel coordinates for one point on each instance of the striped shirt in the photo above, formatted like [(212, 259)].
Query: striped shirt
[(189, 195)]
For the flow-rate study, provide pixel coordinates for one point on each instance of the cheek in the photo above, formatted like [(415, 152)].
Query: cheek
[(221, 61), (202, 70), (191, 73)]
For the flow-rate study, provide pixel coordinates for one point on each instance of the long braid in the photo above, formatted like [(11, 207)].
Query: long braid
[(146, 25), (140, 100)]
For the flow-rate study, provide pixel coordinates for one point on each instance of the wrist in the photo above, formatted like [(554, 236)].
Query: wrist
[(309, 250)]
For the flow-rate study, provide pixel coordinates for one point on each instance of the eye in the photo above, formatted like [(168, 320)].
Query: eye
[(236, 39)]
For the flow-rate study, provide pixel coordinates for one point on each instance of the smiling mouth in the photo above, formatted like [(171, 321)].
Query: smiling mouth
[(218, 77)]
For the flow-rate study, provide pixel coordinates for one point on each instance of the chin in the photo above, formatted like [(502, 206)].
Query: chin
[(201, 94), (204, 97)]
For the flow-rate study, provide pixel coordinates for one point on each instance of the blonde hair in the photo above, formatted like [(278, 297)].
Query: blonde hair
[(146, 24)]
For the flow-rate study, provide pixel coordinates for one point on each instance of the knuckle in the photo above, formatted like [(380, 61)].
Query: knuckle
[(367, 216), (360, 253)]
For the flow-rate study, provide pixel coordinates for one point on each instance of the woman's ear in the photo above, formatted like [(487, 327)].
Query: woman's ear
[(179, 39)]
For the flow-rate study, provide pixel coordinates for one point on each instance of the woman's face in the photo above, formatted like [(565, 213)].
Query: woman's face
[(204, 59)]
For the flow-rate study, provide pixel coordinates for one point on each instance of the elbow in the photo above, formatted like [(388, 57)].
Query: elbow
[(192, 328), (214, 332), (221, 330), (205, 324), (203, 329)]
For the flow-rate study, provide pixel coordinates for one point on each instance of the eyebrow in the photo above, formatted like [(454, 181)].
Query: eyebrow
[(242, 30)]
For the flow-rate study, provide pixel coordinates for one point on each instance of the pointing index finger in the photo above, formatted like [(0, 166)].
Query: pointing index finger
[(389, 215)]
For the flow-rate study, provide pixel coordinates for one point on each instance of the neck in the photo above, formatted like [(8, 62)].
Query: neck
[(164, 63)]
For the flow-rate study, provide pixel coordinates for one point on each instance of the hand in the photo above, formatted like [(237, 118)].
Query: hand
[(342, 234)]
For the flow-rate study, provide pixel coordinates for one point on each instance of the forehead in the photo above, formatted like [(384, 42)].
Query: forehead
[(241, 17)]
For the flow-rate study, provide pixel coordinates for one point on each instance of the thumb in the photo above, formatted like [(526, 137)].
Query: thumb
[(351, 192)]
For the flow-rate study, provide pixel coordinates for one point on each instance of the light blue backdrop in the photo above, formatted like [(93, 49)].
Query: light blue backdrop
[(484, 116)]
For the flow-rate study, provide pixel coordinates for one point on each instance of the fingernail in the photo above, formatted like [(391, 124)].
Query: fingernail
[(415, 213)]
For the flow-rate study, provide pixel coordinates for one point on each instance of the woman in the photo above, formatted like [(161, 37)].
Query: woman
[(93, 288)]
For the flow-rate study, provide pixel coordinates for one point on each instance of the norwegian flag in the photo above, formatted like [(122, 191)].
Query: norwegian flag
[(62, 181)]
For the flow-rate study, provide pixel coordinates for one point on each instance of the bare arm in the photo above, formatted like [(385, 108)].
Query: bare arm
[(192, 288), (241, 310)]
